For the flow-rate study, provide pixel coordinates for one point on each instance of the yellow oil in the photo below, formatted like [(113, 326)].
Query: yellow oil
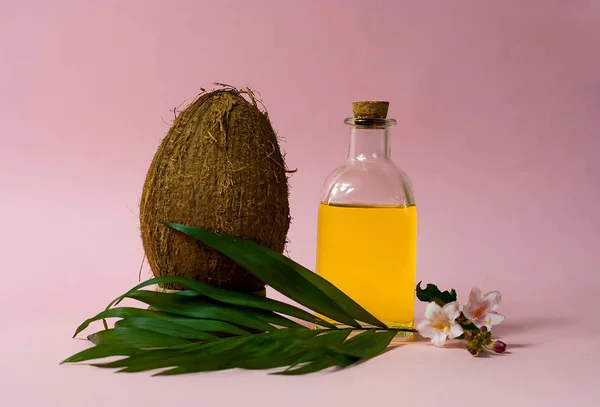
[(369, 253)]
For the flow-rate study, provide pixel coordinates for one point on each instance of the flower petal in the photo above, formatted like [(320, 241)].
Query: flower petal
[(431, 310), (475, 296), (425, 328), (493, 299), (479, 323), (469, 311), (452, 309), (438, 338), (455, 331), (474, 303), (494, 318)]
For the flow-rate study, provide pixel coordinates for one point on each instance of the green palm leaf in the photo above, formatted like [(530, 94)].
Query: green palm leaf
[(320, 364), (286, 276), (100, 352), (134, 338), (121, 312), (206, 328), (192, 307), (165, 327), (210, 353), (368, 344), (229, 297), (209, 325)]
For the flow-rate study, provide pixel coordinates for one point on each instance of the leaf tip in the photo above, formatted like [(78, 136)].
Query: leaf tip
[(80, 328), (171, 225)]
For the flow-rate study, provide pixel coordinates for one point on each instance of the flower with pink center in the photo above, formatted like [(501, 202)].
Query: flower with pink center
[(440, 323), (481, 308)]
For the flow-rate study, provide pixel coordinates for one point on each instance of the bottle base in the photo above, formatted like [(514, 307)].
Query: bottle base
[(401, 336)]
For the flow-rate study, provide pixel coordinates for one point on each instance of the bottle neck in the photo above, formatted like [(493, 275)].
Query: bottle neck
[(369, 144)]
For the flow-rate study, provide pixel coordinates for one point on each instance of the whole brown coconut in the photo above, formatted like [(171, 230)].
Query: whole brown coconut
[(219, 168)]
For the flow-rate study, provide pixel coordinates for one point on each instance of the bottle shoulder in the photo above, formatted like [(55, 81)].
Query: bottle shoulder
[(375, 182)]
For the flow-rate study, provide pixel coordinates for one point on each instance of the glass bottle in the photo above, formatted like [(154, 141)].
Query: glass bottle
[(367, 224)]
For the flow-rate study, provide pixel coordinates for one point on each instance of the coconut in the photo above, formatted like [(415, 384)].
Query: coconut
[(219, 168)]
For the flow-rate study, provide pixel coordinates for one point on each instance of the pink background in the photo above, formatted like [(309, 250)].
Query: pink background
[(497, 104)]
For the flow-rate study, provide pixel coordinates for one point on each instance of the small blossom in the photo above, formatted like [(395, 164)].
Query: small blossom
[(499, 347), (481, 308), (469, 335), (440, 323), (477, 343)]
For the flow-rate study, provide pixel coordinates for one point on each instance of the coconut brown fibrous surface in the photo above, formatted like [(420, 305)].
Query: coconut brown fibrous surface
[(220, 168)]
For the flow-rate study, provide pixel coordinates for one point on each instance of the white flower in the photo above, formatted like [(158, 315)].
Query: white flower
[(481, 308), (440, 323)]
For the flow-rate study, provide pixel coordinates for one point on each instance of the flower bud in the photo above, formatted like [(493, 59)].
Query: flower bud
[(469, 335), (484, 329), (472, 351), (499, 347)]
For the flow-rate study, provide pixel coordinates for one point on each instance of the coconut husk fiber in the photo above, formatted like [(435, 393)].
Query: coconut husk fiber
[(220, 168)]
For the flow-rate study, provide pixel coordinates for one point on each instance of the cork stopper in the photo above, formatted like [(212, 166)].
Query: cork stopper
[(370, 109)]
